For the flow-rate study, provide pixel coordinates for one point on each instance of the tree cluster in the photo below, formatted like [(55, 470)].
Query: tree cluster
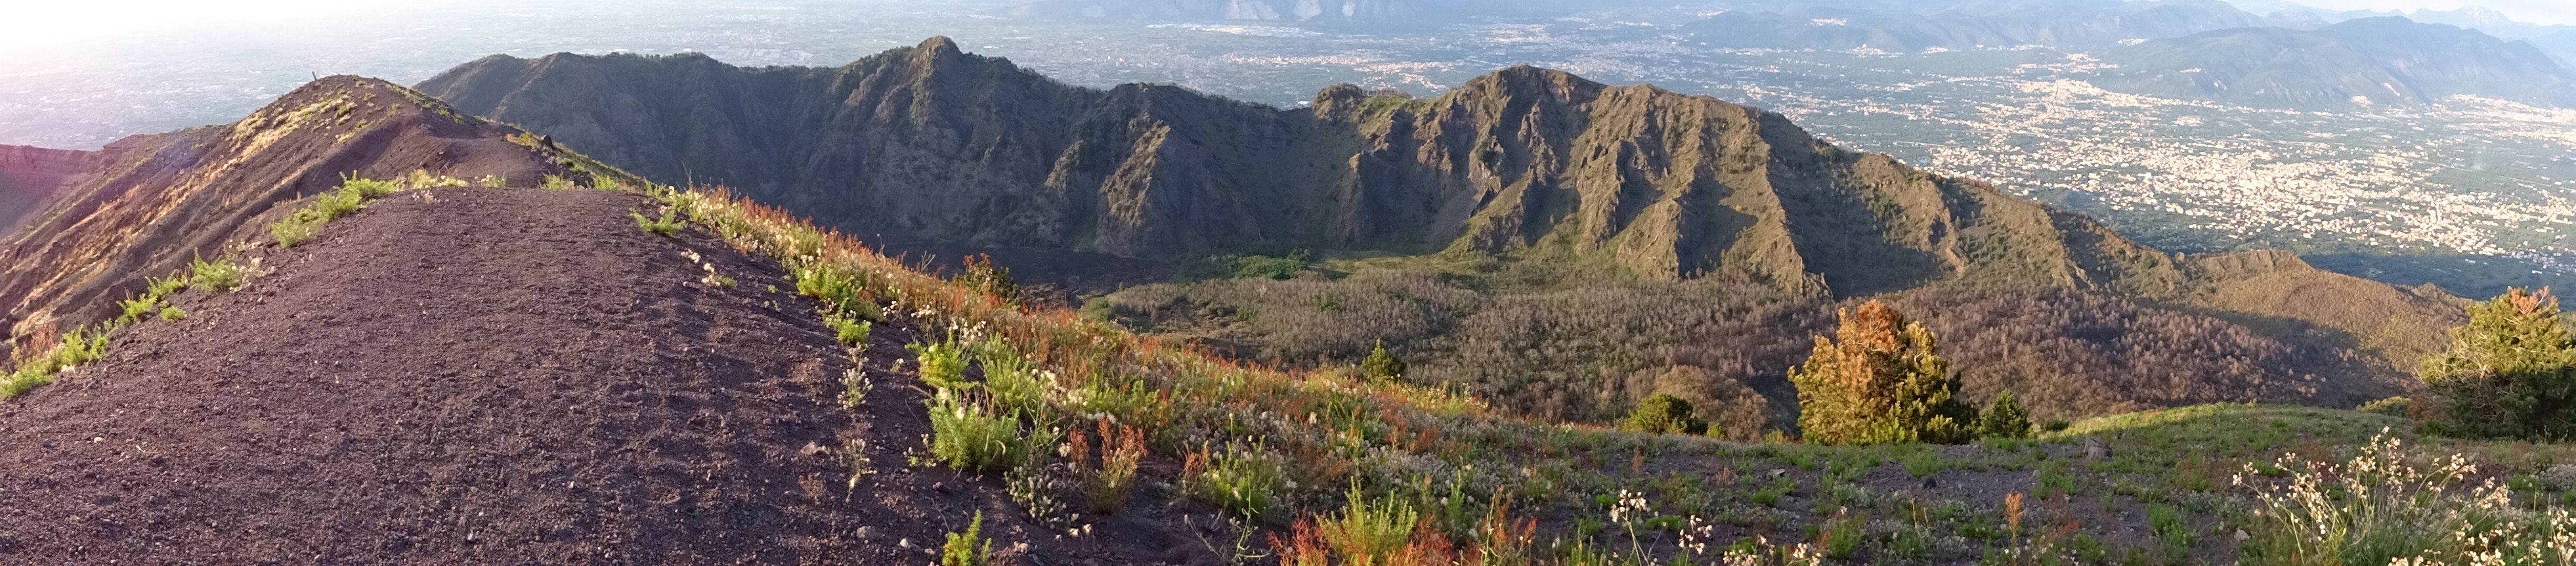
[(2509, 373)]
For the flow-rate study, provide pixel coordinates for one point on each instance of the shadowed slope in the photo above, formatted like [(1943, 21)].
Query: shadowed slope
[(31, 175)]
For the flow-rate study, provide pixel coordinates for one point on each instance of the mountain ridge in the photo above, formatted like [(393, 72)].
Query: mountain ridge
[(1523, 162), (2361, 62), (149, 204)]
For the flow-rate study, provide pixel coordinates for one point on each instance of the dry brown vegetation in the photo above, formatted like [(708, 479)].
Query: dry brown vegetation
[(1556, 344)]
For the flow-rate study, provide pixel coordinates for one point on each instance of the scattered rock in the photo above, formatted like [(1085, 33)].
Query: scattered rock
[(2561, 477), (1930, 483)]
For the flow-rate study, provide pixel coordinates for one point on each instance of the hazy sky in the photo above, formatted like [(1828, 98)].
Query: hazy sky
[(2534, 11), (42, 20)]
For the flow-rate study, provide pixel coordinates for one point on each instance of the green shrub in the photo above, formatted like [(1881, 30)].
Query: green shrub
[(968, 548), (850, 330), (943, 364), (2509, 373), (173, 313), (161, 287), (1267, 267), (79, 347), (837, 289), (854, 388), (557, 183), (1121, 448), (219, 275), (2392, 406), (984, 277), (1016, 386), (135, 309), (1924, 463), (1244, 480), (295, 230), (1382, 367), (2167, 524), (361, 189), (305, 223), (969, 436), (1879, 381), (2004, 419), (1369, 531), (669, 224), (335, 204), (1663, 413)]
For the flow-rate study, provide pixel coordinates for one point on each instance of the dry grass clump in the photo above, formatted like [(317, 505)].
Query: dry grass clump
[(2389, 506)]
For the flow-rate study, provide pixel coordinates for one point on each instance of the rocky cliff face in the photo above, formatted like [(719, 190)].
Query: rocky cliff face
[(148, 204), (930, 143)]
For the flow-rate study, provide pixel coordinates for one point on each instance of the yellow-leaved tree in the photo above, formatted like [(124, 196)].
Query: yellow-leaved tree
[(1878, 381)]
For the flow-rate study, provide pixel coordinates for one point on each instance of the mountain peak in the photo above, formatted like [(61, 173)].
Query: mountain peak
[(939, 46)]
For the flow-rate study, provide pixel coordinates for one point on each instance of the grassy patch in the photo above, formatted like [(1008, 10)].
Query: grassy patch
[(306, 223), (669, 224)]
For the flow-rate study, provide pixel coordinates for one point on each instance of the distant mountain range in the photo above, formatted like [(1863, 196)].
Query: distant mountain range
[(2381, 61), (1296, 10), (1965, 26)]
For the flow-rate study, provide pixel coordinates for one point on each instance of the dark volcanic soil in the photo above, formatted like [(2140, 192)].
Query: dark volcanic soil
[(498, 376)]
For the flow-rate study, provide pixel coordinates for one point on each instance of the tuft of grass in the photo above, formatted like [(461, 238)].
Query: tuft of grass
[(558, 183), (1924, 463), (222, 274), (969, 436), (968, 548), (305, 223), (173, 313), (669, 224), (1241, 479), (134, 309), (852, 331), (79, 347), (854, 389), (1106, 486), (943, 364)]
